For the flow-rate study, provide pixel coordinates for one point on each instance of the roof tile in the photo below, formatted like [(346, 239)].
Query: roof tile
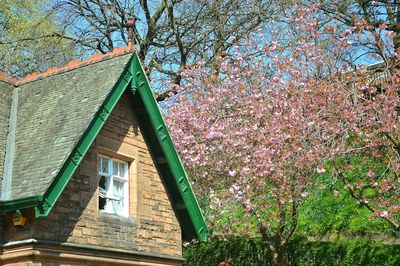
[(53, 112)]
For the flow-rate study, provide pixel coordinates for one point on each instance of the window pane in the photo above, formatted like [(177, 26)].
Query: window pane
[(104, 165), (118, 189), (118, 205), (115, 168), (122, 170)]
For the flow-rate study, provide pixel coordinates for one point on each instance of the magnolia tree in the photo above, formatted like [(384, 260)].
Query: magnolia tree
[(256, 132)]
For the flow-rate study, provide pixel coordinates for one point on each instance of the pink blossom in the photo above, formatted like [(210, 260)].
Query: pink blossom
[(248, 208), (382, 26), (320, 170), (266, 124), (384, 214), (232, 173), (347, 32)]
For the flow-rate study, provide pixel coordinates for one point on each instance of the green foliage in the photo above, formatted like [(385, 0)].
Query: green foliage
[(299, 252), (350, 252), (369, 193), (242, 251), (332, 212), (30, 38)]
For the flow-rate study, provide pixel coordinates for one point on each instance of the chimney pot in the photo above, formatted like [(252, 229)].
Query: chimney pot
[(130, 23)]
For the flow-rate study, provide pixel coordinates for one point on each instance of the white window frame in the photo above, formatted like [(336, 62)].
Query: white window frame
[(108, 193)]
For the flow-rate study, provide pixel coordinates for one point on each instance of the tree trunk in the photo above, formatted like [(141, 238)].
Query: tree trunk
[(276, 250), (278, 257)]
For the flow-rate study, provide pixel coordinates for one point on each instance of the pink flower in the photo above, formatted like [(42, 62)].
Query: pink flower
[(390, 34), (384, 214), (347, 32), (232, 173), (320, 170), (213, 135), (382, 26), (248, 208), (304, 194), (370, 174), (336, 193)]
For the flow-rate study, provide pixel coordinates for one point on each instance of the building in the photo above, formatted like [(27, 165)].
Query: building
[(90, 175)]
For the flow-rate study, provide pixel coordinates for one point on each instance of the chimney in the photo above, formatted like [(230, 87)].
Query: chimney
[(129, 25)]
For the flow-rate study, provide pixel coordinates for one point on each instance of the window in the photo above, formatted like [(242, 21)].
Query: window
[(113, 186)]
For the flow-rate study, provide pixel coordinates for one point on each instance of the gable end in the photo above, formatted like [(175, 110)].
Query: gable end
[(161, 146)]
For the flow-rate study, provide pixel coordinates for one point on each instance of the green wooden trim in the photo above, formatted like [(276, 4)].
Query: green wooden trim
[(143, 87), (22, 203)]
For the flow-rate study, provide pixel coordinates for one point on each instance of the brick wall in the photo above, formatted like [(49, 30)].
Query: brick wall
[(151, 226)]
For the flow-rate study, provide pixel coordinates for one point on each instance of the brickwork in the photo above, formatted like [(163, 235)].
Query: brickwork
[(151, 226)]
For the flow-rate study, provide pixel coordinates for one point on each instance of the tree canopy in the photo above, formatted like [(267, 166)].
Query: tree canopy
[(259, 132), (31, 38)]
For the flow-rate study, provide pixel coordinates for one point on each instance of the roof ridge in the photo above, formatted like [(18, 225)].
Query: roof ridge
[(70, 66), (7, 79), (74, 65)]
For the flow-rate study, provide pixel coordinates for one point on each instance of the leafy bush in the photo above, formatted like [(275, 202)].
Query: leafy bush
[(299, 252)]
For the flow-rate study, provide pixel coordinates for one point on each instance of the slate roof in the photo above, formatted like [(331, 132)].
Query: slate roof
[(54, 112), (48, 122)]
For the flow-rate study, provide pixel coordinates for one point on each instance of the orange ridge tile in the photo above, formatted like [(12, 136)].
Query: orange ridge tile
[(72, 65), (7, 79)]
